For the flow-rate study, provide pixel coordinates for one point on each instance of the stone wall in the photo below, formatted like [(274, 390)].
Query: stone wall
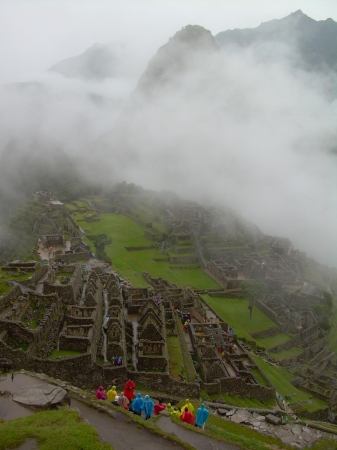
[(268, 312), (237, 386), (69, 257), (183, 259), (38, 275), (5, 300), (78, 370), (272, 331), (70, 291), (141, 247), (164, 383), (150, 362), (21, 334), (286, 346), (74, 343)]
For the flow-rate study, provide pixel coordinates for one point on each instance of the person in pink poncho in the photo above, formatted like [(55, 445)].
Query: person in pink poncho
[(100, 394)]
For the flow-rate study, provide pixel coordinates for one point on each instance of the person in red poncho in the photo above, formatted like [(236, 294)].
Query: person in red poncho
[(158, 407), (187, 417), (129, 390)]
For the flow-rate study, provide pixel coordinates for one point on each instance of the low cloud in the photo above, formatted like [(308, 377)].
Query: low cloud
[(232, 128)]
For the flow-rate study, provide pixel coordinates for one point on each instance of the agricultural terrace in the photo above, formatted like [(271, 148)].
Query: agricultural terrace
[(236, 313), (281, 379), (125, 232), (4, 288)]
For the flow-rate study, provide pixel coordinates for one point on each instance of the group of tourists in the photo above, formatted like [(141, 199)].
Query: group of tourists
[(117, 360), (137, 404), (185, 414)]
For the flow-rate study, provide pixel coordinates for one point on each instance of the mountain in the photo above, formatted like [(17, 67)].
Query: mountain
[(187, 54), (96, 63), (183, 52), (315, 42), (28, 165)]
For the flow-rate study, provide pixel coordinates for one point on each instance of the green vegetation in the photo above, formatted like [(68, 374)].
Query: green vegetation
[(281, 379), (175, 357), (125, 232), (287, 354), (243, 402), (233, 433), (251, 291), (57, 353), (236, 313), (5, 277), (187, 360), (53, 430)]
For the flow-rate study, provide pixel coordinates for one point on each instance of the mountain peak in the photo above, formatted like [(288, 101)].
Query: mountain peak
[(298, 13), (180, 53)]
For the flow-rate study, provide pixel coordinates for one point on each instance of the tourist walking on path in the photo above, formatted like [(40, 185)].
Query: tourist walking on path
[(129, 390), (148, 407), (137, 404), (202, 416), (187, 417)]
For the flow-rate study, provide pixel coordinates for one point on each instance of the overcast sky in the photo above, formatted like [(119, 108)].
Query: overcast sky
[(36, 34)]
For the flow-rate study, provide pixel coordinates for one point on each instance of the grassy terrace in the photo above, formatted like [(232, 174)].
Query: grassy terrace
[(287, 354), (57, 353), (175, 355), (4, 277), (281, 379), (52, 430), (235, 312), (125, 232)]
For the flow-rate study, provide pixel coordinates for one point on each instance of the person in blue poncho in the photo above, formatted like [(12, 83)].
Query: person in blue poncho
[(137, 404), (148, 407), (202, 416)]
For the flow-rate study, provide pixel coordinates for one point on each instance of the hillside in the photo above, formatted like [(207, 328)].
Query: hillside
[(313, 42)]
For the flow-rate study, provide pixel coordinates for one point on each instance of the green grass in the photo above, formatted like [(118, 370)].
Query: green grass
[(241, 436), (281, 379), (4, 277), (259, 377), (57, 353), (53, 430), (125, 232), (176, 359), (235, 312), (244, 402), (287, 354), (272, 341)]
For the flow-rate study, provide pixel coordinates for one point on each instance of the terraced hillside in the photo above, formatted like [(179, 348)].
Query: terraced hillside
[(24, 229)]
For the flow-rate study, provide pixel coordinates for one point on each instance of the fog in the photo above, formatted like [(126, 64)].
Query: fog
[(225, 128)]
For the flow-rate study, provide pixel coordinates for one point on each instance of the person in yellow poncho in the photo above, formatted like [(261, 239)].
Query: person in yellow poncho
[(176, 412), (188, 405), (169, 407), (111, 394)]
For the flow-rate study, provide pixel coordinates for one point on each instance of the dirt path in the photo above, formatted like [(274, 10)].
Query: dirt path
[(121, 432), (197, 440)]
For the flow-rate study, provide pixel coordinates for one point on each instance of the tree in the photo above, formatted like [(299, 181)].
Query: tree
[(251, 290), (100, 241)]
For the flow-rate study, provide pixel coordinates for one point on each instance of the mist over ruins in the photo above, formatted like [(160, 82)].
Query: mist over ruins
[(174, 223)]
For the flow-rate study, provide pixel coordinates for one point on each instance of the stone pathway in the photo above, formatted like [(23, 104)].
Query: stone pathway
[(295, 434), (197, 440), (29, 444)]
